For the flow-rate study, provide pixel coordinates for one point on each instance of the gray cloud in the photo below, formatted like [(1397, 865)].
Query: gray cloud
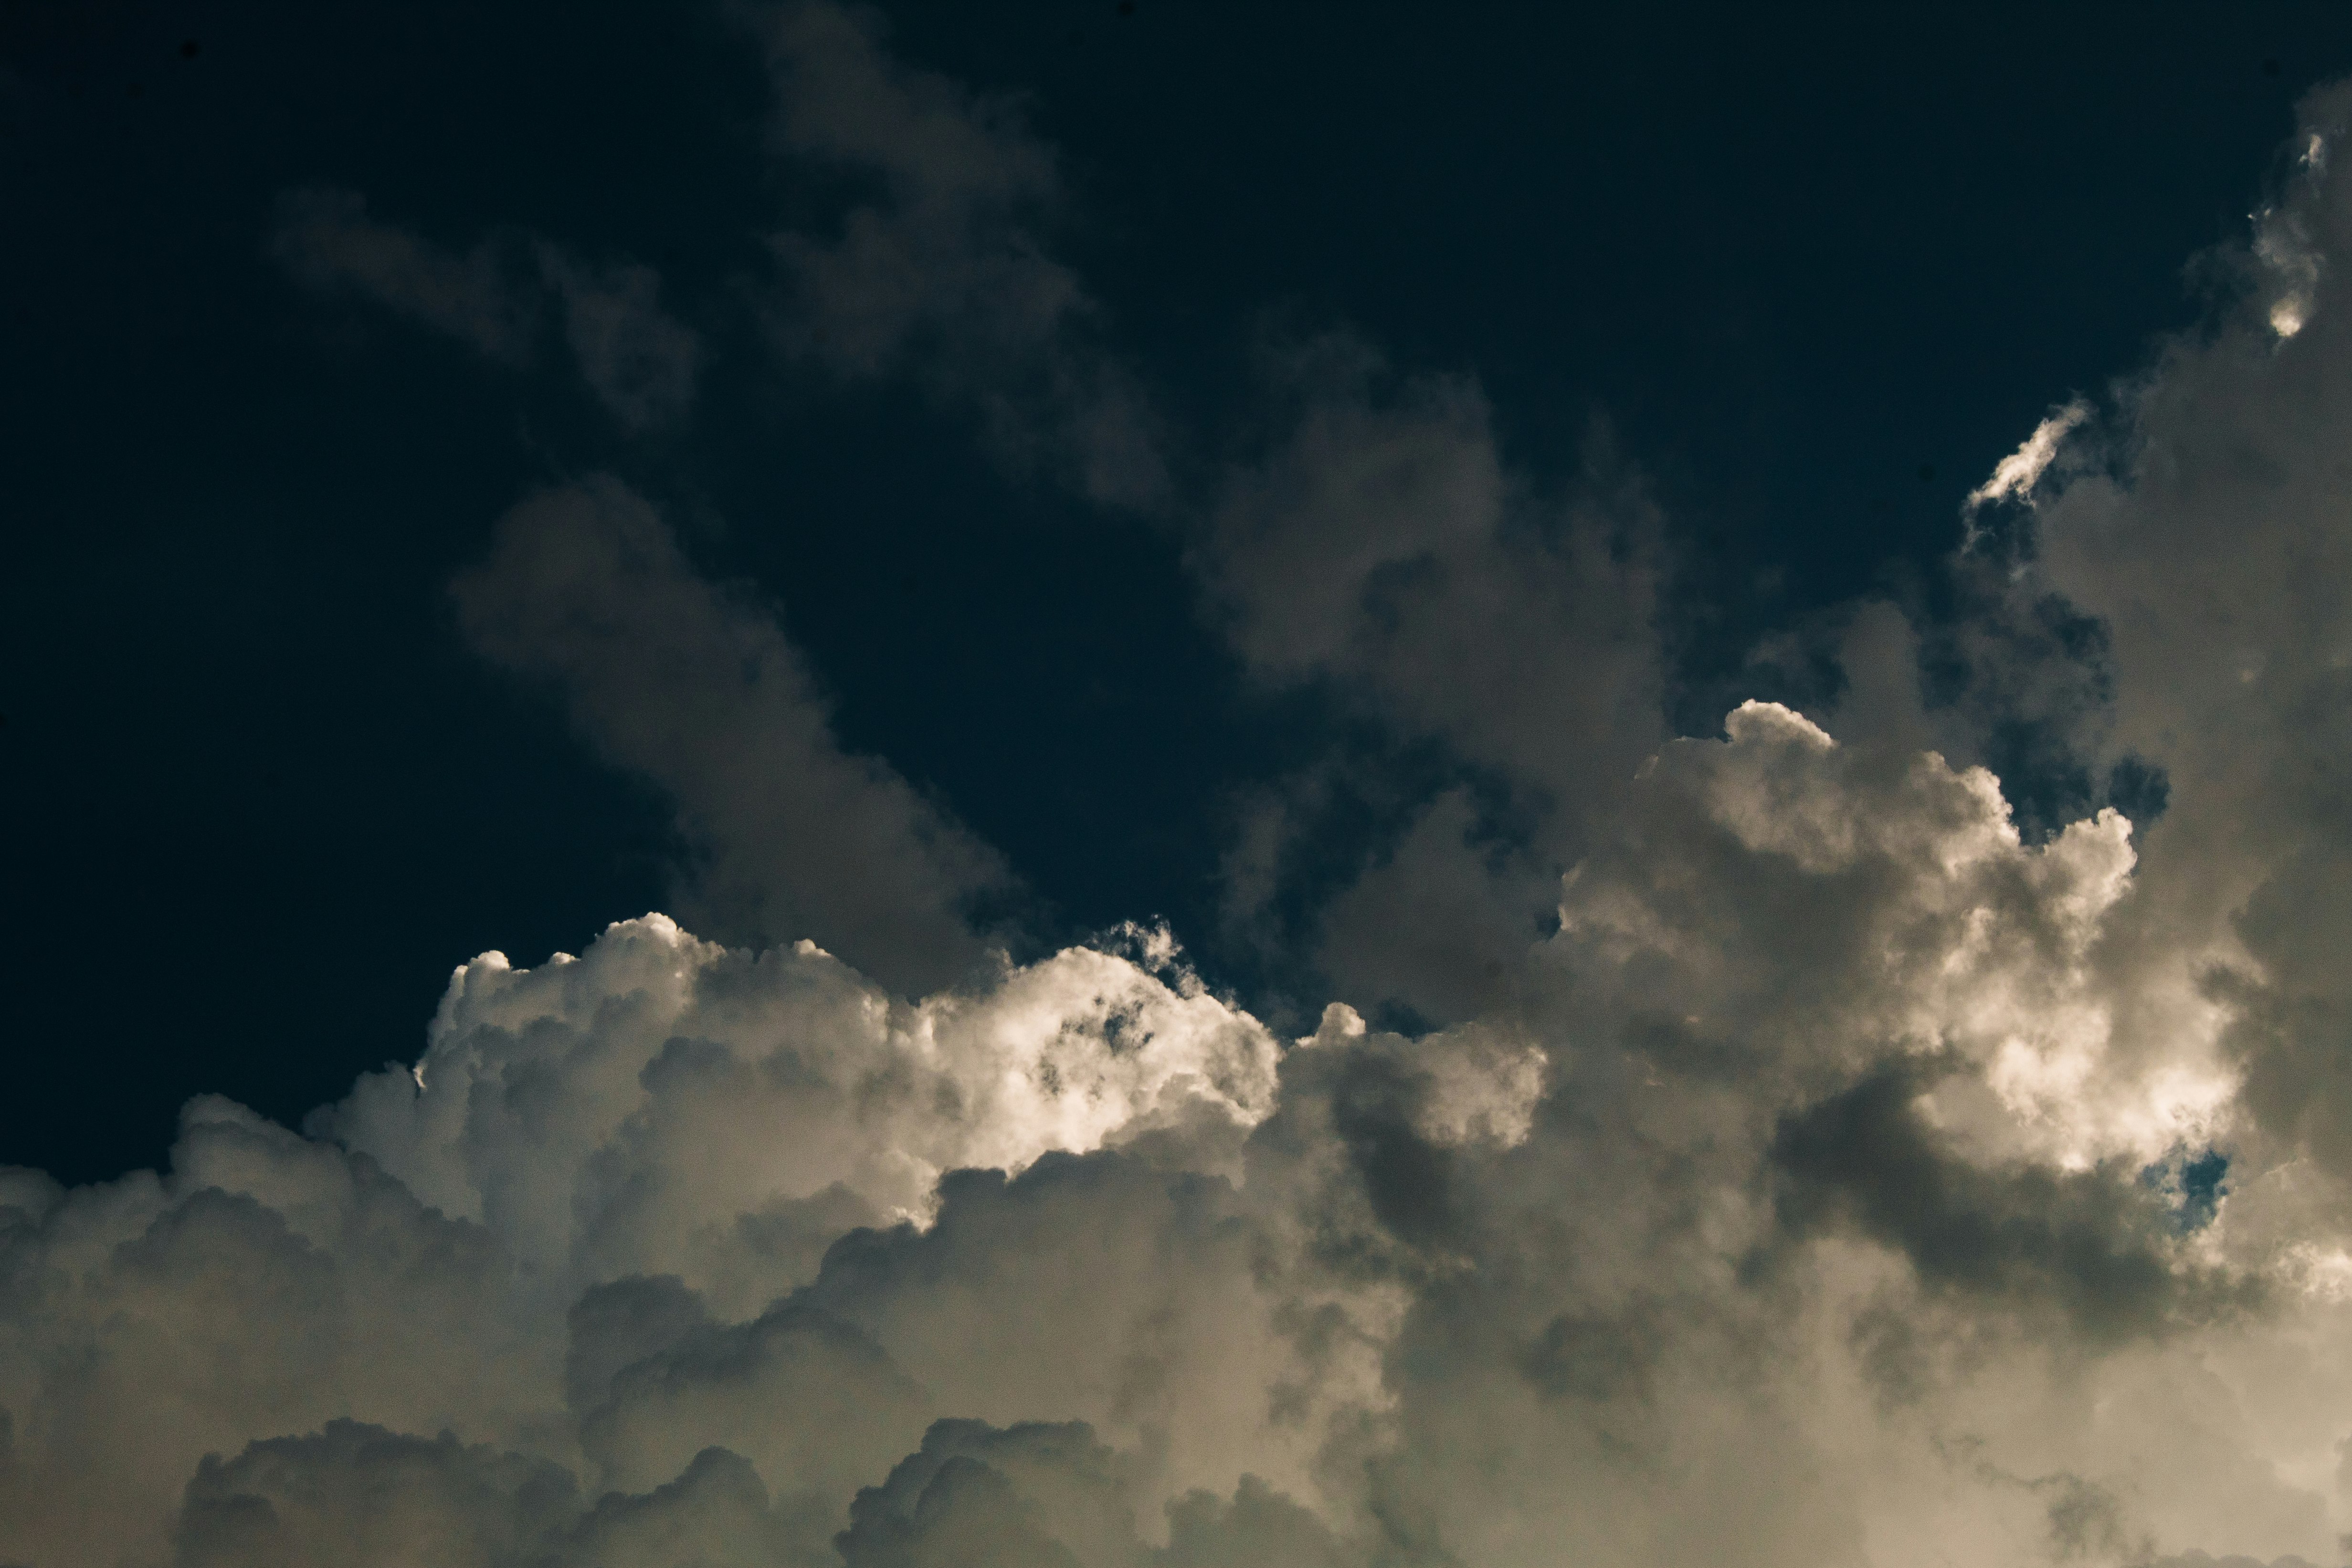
[(1382, 551), (945, 274), (326, 238), (694, 687), (640, 362), (1384, 541), (637, 359), (2202, 522), (2085, 1244), (359, 1494), (739, 1258)]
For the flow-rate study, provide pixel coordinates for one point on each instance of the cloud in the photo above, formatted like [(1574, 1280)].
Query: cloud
[(944, 274), (693, 686), (637, 359), (1812, 1187), (640, 362), (940, 270), (2081, 1244), (360, 1494), (2208, 539), (838, 1105), (1380, 550), (960, 180), (2015, 475), (1384, 544), (327, 240), (1741, 1234), (628, 1156)]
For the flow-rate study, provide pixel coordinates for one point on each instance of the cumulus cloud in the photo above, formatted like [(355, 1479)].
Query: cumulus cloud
[(1844, 1173), (850, 1104), (636, 1161), (637, 359), (1743, 1235), (2210, 541)]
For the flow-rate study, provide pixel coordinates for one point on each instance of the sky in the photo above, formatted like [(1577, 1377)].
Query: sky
[(1160, 784)]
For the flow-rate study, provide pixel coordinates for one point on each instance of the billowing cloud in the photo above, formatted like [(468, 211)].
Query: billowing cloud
[(849, 1105), (636, 1161), (2211, 542), (1808, 1208), (1845, 1173)]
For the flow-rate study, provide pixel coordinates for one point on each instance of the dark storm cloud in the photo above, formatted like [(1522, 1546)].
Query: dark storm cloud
[(365, 1495), (1052, 1494), (953, 1501)]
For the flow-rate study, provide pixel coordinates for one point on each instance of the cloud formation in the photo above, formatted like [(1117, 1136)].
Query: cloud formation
[(694, 686), (941, 271), (1381, 550), (1844, 1174), (1802, 1214), (637, 359), (2205, 531)]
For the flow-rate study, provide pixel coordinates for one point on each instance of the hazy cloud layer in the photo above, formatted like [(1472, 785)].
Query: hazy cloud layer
[(329, 242)]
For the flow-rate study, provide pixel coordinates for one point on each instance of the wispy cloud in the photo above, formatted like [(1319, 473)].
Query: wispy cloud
[(637, 359)]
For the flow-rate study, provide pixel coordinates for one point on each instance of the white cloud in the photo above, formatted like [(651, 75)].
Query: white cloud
[(688, 1102), (2014, 477)]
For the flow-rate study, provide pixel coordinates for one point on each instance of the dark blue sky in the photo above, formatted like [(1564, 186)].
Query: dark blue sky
[(1817, 274)]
